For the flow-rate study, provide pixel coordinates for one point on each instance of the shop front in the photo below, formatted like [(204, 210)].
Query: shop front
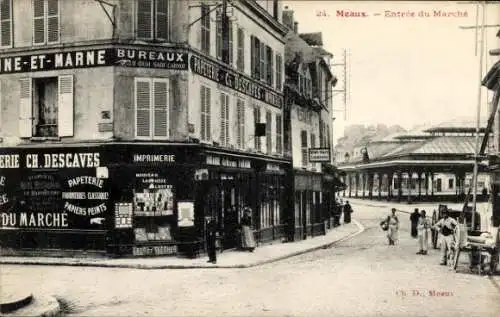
[(127, 199)]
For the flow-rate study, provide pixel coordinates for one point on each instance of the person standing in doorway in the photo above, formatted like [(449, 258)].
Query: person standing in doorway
[(446, 227), (211, 233), (247, 239), (423, 227), (414, 218)]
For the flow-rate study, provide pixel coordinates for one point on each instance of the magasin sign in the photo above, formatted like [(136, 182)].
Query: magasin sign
[(117, 56)]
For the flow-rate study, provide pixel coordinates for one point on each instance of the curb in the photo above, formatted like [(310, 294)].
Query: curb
[(14, 305), (361, 228), (43, 306)]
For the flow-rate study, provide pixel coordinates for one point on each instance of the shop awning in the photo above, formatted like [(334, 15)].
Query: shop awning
[(492, 78)]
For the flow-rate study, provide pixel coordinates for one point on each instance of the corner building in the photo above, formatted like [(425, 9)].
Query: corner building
[(125, 124)]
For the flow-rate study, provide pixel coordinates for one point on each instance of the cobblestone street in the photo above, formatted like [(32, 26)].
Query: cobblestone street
[(362, 276)]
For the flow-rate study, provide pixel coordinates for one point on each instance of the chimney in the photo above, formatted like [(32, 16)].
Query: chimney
[(288, 19), (296, 27)]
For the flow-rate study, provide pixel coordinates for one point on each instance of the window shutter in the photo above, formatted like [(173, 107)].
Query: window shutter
[(5, 23), (230, 42), (241, 50), (65, 105), (162, 20), (25, 108), (240, 114), (263, 61), (269, 138), (279, 133), (161, 107), (208, 110), (145, 19), (38, 21), (218, 36), (142, 108), (228, 109), (203, 126), (52, 21)]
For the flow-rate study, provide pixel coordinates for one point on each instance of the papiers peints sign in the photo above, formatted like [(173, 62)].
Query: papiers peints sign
[(53, 190)]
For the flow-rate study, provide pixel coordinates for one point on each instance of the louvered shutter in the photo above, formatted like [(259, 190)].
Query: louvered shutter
[(25, 108), (218, 36), (161, 108), (252, 56), (203, 119), (228, 111), (223, 109), (230, 42), (143, 108), (240, 124), (65, 106), (269, 142), (5, 22), (162, 19), (208, 111), (52, 21), (279, 138), (145, 19), (38, 21)]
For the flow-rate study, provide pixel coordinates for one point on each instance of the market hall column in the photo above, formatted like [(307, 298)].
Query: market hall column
[(400, 185), (426, 184), (432, 185), (409, 185), (371, 180), (363, 179), (356, 181), (350, 184), (390, 181), (380, 179), (419, 179)]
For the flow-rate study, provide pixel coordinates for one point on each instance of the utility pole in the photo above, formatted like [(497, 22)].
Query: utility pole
[(345, 85)]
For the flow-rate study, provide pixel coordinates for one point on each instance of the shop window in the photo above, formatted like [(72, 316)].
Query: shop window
[(46, 21), (205, 28), (269, 142), (304, 149), (224, 119), (151, 108), (279, 72), (152, 20), (279, 134), (46, 107), (5, 23), (240, 63), (206, 105), (240, 124)]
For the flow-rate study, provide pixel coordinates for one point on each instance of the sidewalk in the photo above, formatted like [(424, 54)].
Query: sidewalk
[(229, 259)]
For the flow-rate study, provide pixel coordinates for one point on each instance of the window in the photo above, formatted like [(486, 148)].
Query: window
[(240, 129), (240, 63), (45, 21), (279, 72), (205, 28), (224, 119), (218, 36), (325, 89), (205, 126), (151, 108), (46, 107), (450, 183), (321, 133), (5, 23), (304, 149), (152, 19), (270, 66), (279, 134), (263, 62), (255, 57), (230, 42), (320, 85), (269, 139), (256, 115), (313, 145)]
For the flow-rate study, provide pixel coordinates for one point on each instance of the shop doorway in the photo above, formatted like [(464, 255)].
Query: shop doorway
[(229, 218)]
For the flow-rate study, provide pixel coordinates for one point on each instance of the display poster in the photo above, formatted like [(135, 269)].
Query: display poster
[(185, 214)]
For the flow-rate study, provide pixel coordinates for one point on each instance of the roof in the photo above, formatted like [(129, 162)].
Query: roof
[(379, 149), (313, 39), (448, 145), (322, 51)]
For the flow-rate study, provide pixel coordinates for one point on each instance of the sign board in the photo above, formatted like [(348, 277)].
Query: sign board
[(172, 58), (319, 155)]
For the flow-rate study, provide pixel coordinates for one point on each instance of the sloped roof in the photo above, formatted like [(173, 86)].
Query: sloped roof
[(405, 148), (448, 145), (313, 39), (376, 150)]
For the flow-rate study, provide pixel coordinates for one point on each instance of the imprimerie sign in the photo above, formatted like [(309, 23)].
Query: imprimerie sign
[(234, 80), (117, 56), (319, 155)]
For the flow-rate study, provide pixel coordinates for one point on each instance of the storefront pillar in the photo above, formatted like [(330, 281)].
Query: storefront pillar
[(380, 179)]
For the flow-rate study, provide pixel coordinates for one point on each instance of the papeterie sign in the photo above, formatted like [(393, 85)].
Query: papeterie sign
[(319, 155), (234, 80), (117, 56)]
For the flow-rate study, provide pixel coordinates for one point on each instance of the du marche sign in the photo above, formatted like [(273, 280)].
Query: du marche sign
[(117, 56)]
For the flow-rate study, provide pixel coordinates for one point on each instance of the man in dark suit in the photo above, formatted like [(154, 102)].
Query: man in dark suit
[(211, 233)]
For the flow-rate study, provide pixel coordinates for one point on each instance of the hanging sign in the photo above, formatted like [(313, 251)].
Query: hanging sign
[(319, 155)]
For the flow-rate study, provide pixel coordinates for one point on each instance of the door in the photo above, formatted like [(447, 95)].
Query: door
[(230, 218)]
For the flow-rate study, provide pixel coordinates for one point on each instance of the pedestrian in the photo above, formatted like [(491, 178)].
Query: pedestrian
[(446, 227), (423, 227), (414, 218), (347, 212), (247, 238), (393, 227), (211, 233)]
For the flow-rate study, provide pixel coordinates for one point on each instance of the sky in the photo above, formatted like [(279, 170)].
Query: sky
[(402, 70)]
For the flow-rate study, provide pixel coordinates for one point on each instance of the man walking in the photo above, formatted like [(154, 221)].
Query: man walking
[(414, 218), (446, 226), (347, 212), (211, 234)]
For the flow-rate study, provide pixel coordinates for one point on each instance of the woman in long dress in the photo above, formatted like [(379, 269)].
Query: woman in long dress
[(247, 239), (393, 224)]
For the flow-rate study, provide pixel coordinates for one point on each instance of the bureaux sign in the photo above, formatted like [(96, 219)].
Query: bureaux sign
[(319, 155), (117, 56)]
